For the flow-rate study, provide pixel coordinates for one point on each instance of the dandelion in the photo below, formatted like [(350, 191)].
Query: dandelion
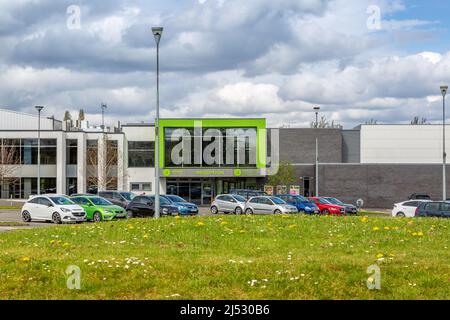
[(380, 255), (26, 259), (376, 229), (200, 224)]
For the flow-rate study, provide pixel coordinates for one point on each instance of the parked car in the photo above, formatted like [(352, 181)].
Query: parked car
[(55, 208), (228, 203), (301, 203), (119, 198), (247, 194), (349, 208), (406, 208), (439, 209), (144, 207), (326, 207), (99, 209), (184, 208), (92, 190), (419, 196), (268, 205)]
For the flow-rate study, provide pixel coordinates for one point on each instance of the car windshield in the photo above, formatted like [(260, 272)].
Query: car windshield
[(324, 201), (301, 199), (100, 201), (334, 201), (277, 200), (162, 200), (176, 198), (61, 201), (128, 195), (239, 198)]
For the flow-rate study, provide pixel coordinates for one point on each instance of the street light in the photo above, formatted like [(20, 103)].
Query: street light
[(317, 109), (444, 90), (157, 32), (39, 109), (104, 106)]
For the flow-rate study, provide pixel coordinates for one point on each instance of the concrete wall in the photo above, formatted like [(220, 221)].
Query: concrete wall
[(379, 185), (402, 143), (299, 145), (351, 146)]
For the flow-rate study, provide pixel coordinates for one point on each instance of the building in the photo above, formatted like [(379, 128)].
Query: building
[(199, 158)]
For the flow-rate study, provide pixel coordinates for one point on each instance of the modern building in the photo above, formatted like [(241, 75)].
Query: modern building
[(199, 158)]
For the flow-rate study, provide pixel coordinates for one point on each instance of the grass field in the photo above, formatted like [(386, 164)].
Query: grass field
[(229, 257)]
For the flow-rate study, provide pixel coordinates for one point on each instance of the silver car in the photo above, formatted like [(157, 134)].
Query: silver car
[(228, 203), (268, 205)]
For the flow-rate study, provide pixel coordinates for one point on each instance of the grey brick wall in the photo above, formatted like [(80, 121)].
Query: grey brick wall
[(351, 146), (299, 145)]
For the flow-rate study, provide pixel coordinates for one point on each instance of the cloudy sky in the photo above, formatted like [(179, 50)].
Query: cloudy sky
[(227, 58)]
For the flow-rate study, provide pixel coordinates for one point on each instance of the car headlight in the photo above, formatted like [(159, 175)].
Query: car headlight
[(108, 212), (333, 209), (66, 210), (181, 207), (308, 208), (165, 210)]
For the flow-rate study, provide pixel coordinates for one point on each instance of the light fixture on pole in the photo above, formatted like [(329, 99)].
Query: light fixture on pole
[(444, 90), (39, 109), (317, 109), (104, 106), (157, 32)]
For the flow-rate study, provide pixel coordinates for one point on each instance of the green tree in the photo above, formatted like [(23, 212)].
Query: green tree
[(81, 115), (285, 175), (67, 116)]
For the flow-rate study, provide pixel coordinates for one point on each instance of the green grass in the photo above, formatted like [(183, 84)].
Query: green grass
[(290, 257)]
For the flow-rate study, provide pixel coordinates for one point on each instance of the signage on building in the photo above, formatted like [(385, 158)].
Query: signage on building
[(213, 147)]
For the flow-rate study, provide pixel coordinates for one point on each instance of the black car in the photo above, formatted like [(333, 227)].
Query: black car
[(349, 208), (119, 198), (419, 196), (439, 209), (144, 207)]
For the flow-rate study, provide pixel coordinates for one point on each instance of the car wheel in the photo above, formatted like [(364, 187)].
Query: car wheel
[(401, 215), (98, 217), (277, 212), (238, 211), (130, 214), (325, 212), (214, 210), (249, 211), (26, 217), (56, 218)]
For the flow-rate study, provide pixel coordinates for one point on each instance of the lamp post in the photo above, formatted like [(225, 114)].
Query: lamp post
[(444, 90), (104, 106), (39, 109), (317, 109), (157, 32)]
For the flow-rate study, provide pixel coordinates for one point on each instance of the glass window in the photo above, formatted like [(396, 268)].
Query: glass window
[(176, 198), (277, 200), (255, 200), (411, 204), (92, 152), (45, 202), (100, 201), (434, 206), (72, 152), (128, 195), (240, 198), (446, 207), (82, 201), (141, 154)]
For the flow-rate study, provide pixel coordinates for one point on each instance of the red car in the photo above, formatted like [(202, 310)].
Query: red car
[(326, 207)]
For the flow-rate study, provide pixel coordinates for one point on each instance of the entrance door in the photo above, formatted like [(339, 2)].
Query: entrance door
[(196, 193), (207, 193)]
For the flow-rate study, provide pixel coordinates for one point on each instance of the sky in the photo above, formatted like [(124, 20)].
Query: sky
[(359, 60)]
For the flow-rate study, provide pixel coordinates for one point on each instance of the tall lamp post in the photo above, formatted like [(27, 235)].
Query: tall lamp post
[(104, 106), (39, 109), (444, 90), (157, 32), (317, 109)]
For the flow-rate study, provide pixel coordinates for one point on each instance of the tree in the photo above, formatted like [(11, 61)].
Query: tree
[(67, 116), (325, 124), (9, 163), (372, 122), (419, 121), (284, 176), (81, 115), (105, 175)]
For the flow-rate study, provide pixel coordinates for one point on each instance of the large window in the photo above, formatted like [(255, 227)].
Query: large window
[(27, 151), (72, 152), (141, 154), (92, 152), (210, 147)]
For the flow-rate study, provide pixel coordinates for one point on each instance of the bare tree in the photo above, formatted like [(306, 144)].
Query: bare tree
[(419, 121), (372, 122), (106, 175), (67, 116), (325, 124), (9, 163)]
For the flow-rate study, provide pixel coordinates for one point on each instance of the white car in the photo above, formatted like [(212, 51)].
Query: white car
[(55, 208), (406, 208), (228, 203)]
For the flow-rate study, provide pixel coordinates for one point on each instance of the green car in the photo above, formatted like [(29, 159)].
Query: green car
[(99, 209)]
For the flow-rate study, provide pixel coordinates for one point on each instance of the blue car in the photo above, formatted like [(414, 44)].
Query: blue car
[(184, 208), (301, 203)]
